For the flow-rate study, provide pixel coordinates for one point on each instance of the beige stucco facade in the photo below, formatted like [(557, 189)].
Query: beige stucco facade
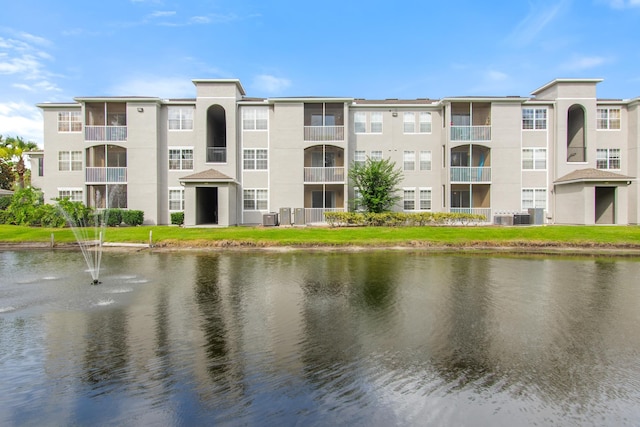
[(226, 159)]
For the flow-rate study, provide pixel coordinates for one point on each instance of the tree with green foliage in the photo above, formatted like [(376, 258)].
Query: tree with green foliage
[(7, 176), (377, 182), (13, 150)]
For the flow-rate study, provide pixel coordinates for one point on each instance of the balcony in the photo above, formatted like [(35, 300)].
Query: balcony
[(105, 133), (470, 174), (216, 154), (474, 211), (106, 175), (324, 133), (324, 175), (315, 215), (470, 133)]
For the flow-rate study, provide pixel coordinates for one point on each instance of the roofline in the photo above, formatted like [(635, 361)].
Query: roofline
[(311, 99), (556, 81), (603, 179), (59, 105), (517, 99), (236, 81), (117, 98)]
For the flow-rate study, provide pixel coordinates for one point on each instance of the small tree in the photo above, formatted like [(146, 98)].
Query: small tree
[(377, 182), (13, 150)]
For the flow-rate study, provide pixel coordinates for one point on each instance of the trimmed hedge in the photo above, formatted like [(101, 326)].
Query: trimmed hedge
[(400, 219), (177, 218), (133, 217)]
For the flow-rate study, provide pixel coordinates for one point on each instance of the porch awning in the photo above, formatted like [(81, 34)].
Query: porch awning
[(210, 175), (592, 175)]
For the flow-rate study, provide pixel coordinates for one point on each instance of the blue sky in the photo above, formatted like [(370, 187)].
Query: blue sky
[(51, 51)]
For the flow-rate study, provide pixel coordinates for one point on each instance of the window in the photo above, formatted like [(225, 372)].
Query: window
[(73, 194), (425, 122), (40, 166), (255, 159), (409, 199), (608, 158), (180, 158), (534, 158), (176, 199), (409, 160), (360, 157), (357, 200), (376, 122), (425, 160), (181, 118), (425, 198), (409, 122), (360, 122), (69, 160), (608, 118), (534, 118), (376, 155), (69, 121), (534, 198), (255, 199), (255, 118)]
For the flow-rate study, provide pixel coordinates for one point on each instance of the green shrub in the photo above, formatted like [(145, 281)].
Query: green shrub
[(177, 218), (400, 219), (133, 217), (113, 217), (5, 201)]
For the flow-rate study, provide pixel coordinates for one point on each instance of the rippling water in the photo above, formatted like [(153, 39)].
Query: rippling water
[(382, 338)]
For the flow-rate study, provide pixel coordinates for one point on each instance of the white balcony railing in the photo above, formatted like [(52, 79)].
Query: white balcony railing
[(476, 211), (470, 133), (105, 133), (334, 174), (106, 175), (314, 215), (324, 133), (470, 174), (216, 154)]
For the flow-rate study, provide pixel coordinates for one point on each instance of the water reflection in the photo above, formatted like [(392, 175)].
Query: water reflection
[(378, 338)]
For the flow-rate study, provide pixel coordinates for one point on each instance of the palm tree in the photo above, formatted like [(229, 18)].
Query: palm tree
[(15, 148)]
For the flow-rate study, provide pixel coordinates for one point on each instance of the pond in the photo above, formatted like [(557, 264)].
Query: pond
[(376, 338)]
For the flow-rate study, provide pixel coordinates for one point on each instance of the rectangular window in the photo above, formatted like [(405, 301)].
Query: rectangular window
[(608, 158), (534, 159), (73, 194), (69, 160), (425, 122), (256, 118), (425, 160), (255, 199), (534, 118), (180, 118), (180, 158), (360, 122), (255, 159), (409, 199), (409, 122), (176, 199), (359, 157), (69, 121), (376, 122), (40, 166), (534, 198), (608, 118), (376, 155), (425, 199), (409, 160)]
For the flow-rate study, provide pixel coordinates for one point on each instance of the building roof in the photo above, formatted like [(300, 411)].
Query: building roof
[(208, 175), (556, 81), (590, 174)]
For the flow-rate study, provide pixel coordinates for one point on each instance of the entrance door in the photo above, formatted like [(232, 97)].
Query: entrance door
[(206, 205), (605, 205)]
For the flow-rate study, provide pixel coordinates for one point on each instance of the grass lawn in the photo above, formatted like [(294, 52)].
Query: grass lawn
[(603, 236)]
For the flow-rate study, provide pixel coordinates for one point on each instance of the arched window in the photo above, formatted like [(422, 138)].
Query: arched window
[(216, 135), (576, 135)]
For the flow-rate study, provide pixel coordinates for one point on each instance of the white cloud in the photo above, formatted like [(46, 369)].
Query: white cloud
[(270, 84), (538, 18), (496, 76), (155, 86), (162, 14), (579, 63), (21, 119)]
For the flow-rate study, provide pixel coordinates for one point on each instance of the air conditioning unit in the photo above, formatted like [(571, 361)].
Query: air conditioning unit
[(270, 219), (285, 216)]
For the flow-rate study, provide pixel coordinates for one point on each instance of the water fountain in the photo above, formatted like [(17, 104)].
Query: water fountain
[(89, 230)]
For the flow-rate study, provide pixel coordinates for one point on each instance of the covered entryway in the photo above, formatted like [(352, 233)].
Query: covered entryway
[(605, 205), (206, 205), (210, 199)]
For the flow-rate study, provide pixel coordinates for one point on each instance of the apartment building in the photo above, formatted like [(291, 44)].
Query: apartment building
[(224, 158)]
